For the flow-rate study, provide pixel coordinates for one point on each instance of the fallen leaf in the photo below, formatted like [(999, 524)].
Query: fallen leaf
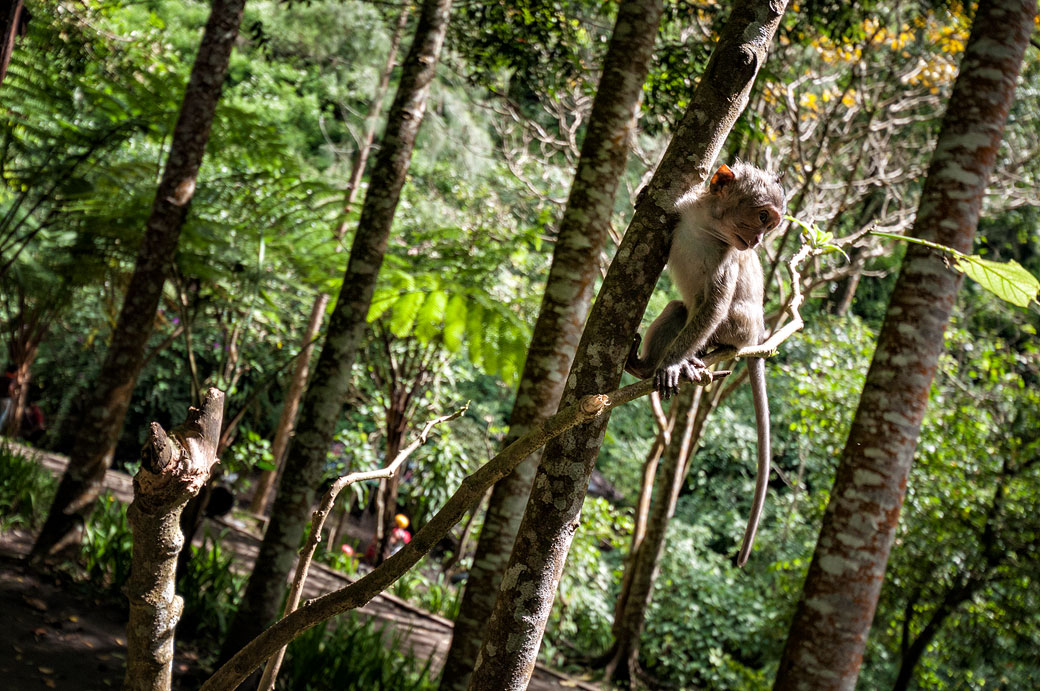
[(73, 618), (45, 670), (40, 631), (49, 683), (35, 603)]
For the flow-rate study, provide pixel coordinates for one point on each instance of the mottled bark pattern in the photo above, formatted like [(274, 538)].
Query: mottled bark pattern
[(327, 392), (565, 305), (825, 646), (173, 470), (103, 414), (508, 653)]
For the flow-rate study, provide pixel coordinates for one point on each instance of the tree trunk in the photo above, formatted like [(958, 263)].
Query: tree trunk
[(515, 630), (282, 434), (962, 592), (564, 307), (262, 494), (102, 417), (173, 469), (642, 512), (825, 645), (326, 394), (10, 26), (628, 626)]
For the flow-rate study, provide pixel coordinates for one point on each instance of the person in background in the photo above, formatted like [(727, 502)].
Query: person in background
[(6, 402), (33, 424)]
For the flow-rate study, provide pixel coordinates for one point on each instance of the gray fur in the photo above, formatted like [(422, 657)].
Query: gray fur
[(720, 281)]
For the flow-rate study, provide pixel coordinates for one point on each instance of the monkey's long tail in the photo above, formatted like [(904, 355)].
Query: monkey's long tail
[(757, 377)]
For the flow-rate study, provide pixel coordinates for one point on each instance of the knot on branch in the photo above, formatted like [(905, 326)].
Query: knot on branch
[(593, 405)]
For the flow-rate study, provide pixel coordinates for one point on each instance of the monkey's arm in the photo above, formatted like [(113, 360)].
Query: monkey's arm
[(757, 377), (680, 360)]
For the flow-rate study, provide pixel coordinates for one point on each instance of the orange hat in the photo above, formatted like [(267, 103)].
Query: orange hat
[(401, 521)]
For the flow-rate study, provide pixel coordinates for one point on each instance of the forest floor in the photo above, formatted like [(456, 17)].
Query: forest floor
[(61, 634)]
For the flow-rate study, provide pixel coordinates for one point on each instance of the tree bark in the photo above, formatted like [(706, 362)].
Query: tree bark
[(564, 308), (508, 653), (283, 432), (327, 391), (825, 645), (173, 470), (102, 417)]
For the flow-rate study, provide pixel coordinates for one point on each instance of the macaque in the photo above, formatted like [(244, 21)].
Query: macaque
[(720, 279)]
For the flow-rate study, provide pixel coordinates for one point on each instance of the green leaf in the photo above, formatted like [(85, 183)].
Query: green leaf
[(383, 300), (428, 320), (454, 323), (1008, 281), (405, 310)]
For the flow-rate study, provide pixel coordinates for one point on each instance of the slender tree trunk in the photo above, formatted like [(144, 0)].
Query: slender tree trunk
[(642, 512), (628, 627), (913, 653), (10, 18), (561, 316), (283, 432), (106, 407), (323, 402), (173, 469), (825, 645), (386, 495), (515, 630)]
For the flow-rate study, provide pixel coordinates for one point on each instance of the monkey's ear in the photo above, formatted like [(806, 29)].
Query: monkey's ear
[(722, 177)]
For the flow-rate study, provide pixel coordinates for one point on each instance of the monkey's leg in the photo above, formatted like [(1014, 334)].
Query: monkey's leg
[(659, 337)]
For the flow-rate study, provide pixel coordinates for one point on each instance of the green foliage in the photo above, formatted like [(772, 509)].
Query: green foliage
[(434, 594), (211, 589), (108, 544), (26, 490), (353, 655), (249, 451)]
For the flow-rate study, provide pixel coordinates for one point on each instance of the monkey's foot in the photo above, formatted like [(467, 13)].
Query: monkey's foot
[(668, 377)]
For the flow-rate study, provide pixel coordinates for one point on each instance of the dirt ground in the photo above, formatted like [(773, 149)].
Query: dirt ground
[(57, 634)]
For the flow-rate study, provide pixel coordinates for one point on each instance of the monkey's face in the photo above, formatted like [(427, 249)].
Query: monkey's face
[(748, 204)]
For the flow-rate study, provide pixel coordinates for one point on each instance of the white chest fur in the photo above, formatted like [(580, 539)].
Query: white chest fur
[(695, 256)]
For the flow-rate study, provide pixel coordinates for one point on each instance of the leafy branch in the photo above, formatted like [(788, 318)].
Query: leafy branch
[(1008, 280)]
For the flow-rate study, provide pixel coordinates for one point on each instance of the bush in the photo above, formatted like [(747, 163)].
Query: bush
[(26, 491), (352, 655), (108, 544), (211, 592)]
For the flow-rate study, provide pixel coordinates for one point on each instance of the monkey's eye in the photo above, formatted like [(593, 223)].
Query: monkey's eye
[(763, 216)]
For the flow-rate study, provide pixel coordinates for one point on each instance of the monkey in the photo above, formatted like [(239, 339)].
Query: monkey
[(719, 276)]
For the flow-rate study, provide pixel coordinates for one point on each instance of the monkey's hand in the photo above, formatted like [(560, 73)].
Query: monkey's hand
[(668, 377)]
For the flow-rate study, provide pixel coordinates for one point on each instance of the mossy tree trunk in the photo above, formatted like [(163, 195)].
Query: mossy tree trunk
[(565, 305), (326, 394), (101, 419), (510, 647), (825, 645)]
